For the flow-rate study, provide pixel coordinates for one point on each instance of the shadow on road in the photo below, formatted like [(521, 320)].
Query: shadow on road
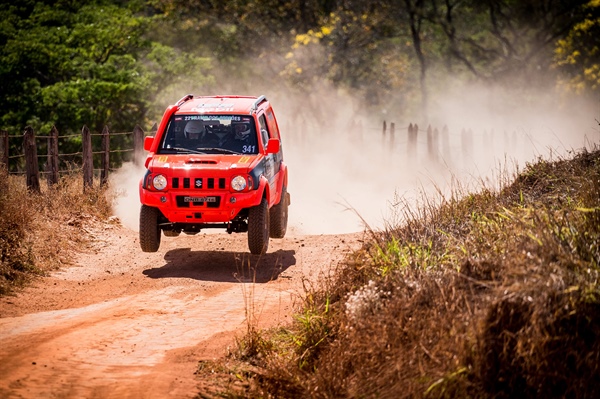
[(223, 266)]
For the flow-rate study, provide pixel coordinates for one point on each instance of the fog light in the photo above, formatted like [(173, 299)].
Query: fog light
[(163, 199), (232, 200)]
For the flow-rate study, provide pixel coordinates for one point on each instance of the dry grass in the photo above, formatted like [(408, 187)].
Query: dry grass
[(38, 232), (488, 295)]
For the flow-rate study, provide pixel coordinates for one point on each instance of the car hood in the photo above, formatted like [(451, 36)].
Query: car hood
[(180, 163)]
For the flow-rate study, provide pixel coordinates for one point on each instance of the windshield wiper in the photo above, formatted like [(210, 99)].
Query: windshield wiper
[(187, 150), (221, 150)]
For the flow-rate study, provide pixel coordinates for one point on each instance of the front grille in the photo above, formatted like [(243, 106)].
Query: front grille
[(200, 183)]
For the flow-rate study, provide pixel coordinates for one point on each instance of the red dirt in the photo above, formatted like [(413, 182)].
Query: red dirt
[(126, 324)]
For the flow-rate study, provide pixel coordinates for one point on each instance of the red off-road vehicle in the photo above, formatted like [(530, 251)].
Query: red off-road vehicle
[(215, 162)]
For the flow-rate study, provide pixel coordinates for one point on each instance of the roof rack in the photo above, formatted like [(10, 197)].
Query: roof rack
[(257, 102), (183, 99)]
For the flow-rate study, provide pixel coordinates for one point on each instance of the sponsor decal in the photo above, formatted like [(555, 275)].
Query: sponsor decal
[(162, 158), (244, 159), (225, 107)]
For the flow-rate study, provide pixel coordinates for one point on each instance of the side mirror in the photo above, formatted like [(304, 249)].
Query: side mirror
[(148, 140), (273, 146)]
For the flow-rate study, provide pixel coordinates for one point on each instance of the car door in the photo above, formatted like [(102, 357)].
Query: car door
[(271, 167)]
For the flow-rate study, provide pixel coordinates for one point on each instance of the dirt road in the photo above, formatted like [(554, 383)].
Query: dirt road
[(121, 323)]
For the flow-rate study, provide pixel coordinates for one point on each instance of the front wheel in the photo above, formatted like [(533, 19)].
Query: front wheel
[(258, 228), (149, 230)]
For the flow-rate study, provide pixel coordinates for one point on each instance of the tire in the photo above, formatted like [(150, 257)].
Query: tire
[(279, 216), (149, 230), (258, 228), (171, 233)]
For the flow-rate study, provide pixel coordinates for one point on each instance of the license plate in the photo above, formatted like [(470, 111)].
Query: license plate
[(200, 199)]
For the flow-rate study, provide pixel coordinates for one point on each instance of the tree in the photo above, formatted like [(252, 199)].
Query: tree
[(71, 64), (577, 56), (503, 39), (72, 67)]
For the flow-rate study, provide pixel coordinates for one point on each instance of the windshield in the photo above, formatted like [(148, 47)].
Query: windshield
[(210, 134)]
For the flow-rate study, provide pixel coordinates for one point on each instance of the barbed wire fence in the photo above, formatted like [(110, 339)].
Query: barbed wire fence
[(51, 164), (411, 141)]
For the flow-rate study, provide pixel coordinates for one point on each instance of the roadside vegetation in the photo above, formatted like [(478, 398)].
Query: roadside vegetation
[(488, 295), (39, 232)]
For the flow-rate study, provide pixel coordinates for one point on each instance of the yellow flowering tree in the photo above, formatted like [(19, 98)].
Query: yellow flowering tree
[(577, 55)]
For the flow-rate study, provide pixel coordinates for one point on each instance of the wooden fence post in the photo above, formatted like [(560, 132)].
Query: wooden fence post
[(105, 156), (4, 149), (413, 131), (446, 143), (384, 129), (436, 143), (138, 145), (88, 158), (52, 164), (410, 135), (429, 142), (31, 160)]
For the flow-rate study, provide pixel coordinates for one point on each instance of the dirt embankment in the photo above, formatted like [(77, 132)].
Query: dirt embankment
[(127, 324)]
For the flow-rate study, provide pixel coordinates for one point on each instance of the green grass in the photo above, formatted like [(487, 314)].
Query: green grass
[(486, 295)]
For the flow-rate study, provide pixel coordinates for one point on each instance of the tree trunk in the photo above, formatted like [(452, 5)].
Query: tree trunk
[(415, 14)]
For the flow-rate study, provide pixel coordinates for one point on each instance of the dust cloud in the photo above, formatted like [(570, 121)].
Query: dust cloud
[(345, 171), (346, 174), (125, 186)]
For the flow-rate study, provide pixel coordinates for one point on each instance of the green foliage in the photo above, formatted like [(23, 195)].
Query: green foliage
[(578, 54), (173, 72), (312, 329), (88, 63), (72, 67)]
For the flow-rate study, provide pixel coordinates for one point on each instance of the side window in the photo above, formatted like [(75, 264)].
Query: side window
[(273, 130), (264, 132)]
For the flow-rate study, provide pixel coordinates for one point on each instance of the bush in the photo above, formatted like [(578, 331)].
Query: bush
[(491, 295), (39, 231)]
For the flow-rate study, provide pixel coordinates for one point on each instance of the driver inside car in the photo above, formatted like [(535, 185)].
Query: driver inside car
[(192, 132), (218, 136)]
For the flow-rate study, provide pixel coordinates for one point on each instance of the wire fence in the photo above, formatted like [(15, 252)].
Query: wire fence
[(431, 142), (54, 163)]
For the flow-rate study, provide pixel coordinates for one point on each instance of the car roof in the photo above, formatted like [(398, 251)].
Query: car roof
[(220, 104)]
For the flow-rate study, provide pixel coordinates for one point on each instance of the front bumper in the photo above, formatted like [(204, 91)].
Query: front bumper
[(218, 206)]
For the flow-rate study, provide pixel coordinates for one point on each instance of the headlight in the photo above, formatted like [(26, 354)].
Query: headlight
[(238, 183), (159, 182)]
